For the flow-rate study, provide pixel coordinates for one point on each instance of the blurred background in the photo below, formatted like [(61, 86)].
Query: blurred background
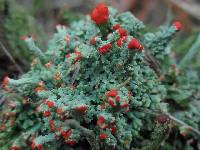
[(39, 18)]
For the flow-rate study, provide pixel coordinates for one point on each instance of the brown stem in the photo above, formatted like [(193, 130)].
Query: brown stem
[(183, 124), (174, 119), (76, 71), (124, 83), (152, 62), (11, 58)]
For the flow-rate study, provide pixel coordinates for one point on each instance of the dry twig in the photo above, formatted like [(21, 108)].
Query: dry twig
[(11, 58), (171, 117)]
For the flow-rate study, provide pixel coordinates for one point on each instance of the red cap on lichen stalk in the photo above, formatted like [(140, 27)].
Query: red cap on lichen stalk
[(105, 48), (103, 136), (135, 44), (100, 14), (5, 80), (81, 108), (177, 25)]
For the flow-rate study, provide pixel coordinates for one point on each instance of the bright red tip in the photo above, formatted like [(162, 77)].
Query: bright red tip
[(47, 113), (100, 14), (5, 80), (103, 136), (105, 48), (50, 104), (121, 41), (116, 26), (122, 32), (112, 93), (101, 120), (135, 44), (93, 41), (82, 108), (178, 25)]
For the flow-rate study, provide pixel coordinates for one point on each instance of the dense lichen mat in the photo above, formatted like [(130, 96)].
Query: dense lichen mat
[(90, 88)]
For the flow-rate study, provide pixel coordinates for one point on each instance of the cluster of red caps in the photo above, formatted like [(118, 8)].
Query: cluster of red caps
[(100, 15), (50, 104), (66, 135), (104, 124), (33, 145), (113, 99), (82, 109)]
